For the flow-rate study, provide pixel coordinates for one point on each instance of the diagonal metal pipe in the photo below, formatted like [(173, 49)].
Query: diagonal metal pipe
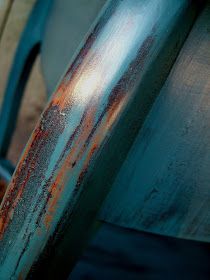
[(86, 130)]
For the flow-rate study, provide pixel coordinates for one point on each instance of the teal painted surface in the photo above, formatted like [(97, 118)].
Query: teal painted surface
[(82, 137), (163, 186)]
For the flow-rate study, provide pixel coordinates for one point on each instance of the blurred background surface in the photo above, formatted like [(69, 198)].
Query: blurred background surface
[(13, 17)]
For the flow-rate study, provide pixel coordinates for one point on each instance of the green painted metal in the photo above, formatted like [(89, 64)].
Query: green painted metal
[(85, 132)]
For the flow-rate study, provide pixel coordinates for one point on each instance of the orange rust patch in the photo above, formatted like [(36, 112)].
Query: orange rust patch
[(15, 190), (75, 154), (20, 276), (79, 147), (58, 185)]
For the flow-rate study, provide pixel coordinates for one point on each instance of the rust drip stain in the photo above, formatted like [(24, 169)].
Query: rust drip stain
[(27, 165), (76, 153)]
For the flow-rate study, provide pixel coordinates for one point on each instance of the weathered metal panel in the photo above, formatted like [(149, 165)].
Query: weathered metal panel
[(75, 130), (163, 185)]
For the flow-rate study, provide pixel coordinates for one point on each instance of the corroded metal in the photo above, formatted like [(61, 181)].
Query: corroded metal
[(77, 124)]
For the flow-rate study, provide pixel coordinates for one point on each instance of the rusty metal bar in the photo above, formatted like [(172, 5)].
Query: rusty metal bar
[(85, 131)]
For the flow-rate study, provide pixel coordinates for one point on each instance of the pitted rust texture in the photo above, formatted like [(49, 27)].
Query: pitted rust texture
[(86, 138)]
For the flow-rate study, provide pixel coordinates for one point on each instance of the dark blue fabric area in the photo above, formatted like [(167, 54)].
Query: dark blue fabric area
[(120, 253)]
